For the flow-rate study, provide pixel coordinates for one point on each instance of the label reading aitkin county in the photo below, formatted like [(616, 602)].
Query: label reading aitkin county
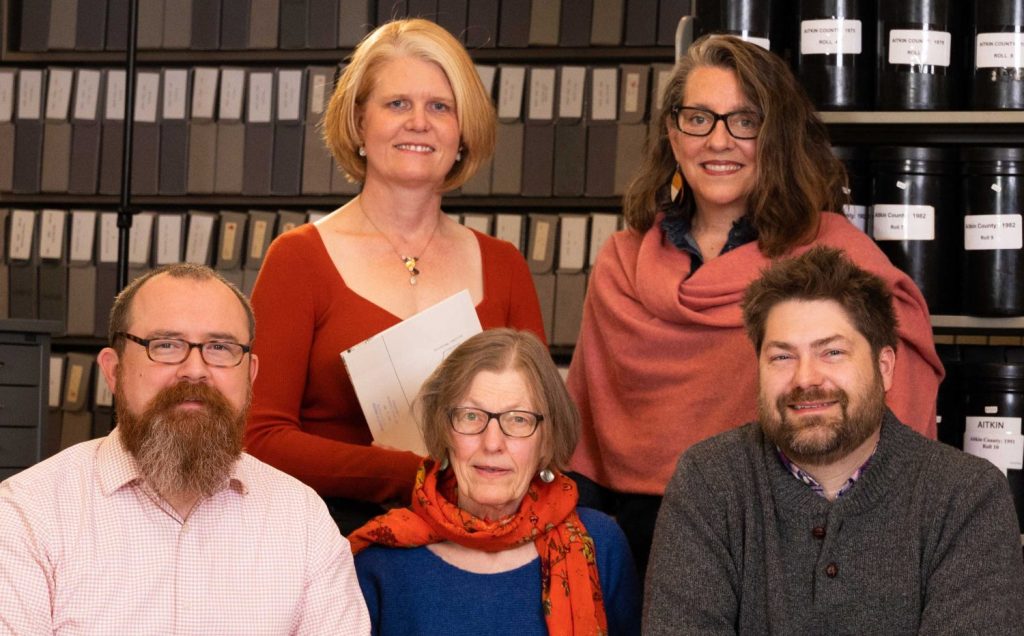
[(993, 232), (912, 46), (830, 37), (898, 222), (999, 50), (997, 439), (858, 215)]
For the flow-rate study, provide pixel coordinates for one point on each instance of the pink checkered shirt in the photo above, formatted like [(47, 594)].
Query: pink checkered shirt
[(87, 548)]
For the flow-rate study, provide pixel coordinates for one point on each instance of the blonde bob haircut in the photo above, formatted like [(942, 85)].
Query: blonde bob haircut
[(498, 350), (429, 42)]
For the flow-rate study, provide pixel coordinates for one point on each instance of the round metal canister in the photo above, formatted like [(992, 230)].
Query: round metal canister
[(993, 231), (750, 20), (858, 184), (915, 217), (998, 55), (836, 53), (989, 409), (917, 64)]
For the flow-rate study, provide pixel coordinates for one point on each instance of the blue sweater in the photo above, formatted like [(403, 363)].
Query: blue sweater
[(413, 591)]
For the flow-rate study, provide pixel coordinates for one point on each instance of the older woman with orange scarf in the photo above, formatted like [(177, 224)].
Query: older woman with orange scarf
[(493, 541)]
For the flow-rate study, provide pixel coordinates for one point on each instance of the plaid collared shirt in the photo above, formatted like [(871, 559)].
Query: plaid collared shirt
[(87, 548), (805, 477)]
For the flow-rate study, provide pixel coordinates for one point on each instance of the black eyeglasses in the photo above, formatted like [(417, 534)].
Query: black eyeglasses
[(467, 420), (699, 122), (176, 350)]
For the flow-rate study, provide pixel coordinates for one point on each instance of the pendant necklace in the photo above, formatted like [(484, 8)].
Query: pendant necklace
[(410, 262)]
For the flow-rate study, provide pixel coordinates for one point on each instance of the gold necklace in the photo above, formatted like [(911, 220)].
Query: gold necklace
[(410, 262)]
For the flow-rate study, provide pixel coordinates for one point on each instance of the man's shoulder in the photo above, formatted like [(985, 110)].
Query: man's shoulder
[(70, 467)]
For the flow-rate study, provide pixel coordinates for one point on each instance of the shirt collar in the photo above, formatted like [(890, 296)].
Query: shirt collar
[(806, 477), (117, 468), (677, 225)]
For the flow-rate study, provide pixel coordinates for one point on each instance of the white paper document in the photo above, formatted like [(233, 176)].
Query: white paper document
[(388, 369)]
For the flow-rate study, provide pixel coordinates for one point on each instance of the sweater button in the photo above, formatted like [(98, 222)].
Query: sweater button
[(818, 532), (831, 570)]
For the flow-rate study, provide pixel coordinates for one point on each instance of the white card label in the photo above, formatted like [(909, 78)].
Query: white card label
[(540, 241), (140, 237), (83, 235), (997, 439), (604, 94), (631, 93), (261, 89), (204, 92), (316, 105), (20, 239), (897, 222), (108, 238), (258, 239), (858, 215), (487, 74), (51, 234), (175, 93), (542, 93), (572, 248), (913, 46), (510, 92), (87, 95), (58, 93), (289, 96), (232, 90), (570, 94), (660, 86), (30, 94), (200, 228), (146, 97), (509, 227), (56, 377), (999, 50), (602, 226), (6, 95), (168, 232), (830, 37), (114, 103), (993, 232)]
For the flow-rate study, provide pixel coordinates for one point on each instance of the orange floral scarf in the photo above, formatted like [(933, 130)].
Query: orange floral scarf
[(570, 588)]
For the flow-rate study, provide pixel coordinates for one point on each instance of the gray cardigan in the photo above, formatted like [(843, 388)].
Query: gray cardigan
[(926, 541)]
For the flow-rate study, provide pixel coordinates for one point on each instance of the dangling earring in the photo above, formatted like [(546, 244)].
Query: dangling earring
[(677, 186), (361, 151), (458, 156), (443, 466), (546, 475)]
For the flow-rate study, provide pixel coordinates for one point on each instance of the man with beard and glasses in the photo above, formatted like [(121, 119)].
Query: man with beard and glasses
[(166, 526), (828, 515)]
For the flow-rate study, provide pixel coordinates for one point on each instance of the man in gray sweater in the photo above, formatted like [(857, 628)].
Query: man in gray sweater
[(828, 515)]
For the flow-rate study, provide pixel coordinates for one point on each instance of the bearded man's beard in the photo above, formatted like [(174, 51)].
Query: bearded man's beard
[(817, 440), (183, 451)]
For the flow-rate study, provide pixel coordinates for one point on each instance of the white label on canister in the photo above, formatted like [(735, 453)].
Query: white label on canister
[(830, 37), (898, 222), (997, 439), (999, 50), (858, 215), (993, 232), (914, 46)]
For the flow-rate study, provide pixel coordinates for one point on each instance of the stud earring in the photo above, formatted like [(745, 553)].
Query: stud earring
[(546, 475), (443, 466), (362, 151)]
